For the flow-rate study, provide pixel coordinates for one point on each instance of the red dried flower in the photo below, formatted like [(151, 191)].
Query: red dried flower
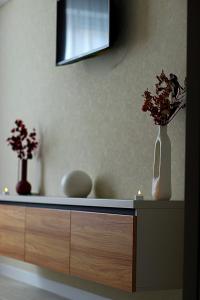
[(21, 141), (167, 101)]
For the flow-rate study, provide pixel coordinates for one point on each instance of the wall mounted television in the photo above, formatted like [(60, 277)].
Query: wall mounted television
[(84, 28)]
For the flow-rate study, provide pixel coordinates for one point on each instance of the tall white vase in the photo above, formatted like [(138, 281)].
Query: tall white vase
[(161, 184)]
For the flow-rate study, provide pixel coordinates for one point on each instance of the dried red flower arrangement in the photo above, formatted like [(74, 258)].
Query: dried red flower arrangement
[(21, 141), (169, 98)]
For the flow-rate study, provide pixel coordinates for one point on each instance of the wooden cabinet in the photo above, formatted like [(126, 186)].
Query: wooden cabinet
[(48, 238), (103, 248), (12, 230), (100, 246)]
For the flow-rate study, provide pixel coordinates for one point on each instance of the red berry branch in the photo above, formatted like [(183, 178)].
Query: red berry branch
[(21, 141), (169, 98)]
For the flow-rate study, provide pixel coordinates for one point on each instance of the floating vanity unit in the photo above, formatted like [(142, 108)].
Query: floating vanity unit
[(124, 244)]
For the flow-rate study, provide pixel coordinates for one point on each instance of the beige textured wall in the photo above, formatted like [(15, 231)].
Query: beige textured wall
[(89, 114)]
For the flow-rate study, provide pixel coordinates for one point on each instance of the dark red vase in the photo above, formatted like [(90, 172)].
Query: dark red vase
[(23, 186)]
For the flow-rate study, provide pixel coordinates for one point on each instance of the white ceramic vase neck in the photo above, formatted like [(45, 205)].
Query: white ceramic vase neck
[(161, 184)]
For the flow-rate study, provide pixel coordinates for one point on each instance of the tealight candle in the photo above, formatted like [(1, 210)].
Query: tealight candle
[(139, 196), (6, 191)]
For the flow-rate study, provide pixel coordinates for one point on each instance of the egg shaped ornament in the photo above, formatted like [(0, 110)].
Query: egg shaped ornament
[(76, 184)]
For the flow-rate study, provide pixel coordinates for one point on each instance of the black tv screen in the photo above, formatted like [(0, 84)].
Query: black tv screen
[(83, 29)]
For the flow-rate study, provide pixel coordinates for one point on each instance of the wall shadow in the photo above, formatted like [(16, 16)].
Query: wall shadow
[(103, 188), (131, 32)]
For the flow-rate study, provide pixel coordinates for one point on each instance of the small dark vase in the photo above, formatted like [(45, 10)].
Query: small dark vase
[(23, 186)]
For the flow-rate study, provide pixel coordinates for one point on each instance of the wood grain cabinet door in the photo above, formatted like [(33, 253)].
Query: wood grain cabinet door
[(47, 238), (103, 248), (12, 230)]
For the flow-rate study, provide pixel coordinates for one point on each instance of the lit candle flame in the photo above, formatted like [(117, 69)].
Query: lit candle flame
[(139, 193), (6, 190)]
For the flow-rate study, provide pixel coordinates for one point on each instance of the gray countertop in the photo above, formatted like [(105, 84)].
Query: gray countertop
[(92, 202)]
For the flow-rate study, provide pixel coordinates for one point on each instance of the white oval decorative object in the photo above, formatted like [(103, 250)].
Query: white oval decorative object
[(161, 184), (76, 184)]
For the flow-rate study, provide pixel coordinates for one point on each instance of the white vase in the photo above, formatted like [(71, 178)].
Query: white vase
[(161, 184)]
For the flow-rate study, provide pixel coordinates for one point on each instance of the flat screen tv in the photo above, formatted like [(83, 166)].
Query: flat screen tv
[(83, 29)]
